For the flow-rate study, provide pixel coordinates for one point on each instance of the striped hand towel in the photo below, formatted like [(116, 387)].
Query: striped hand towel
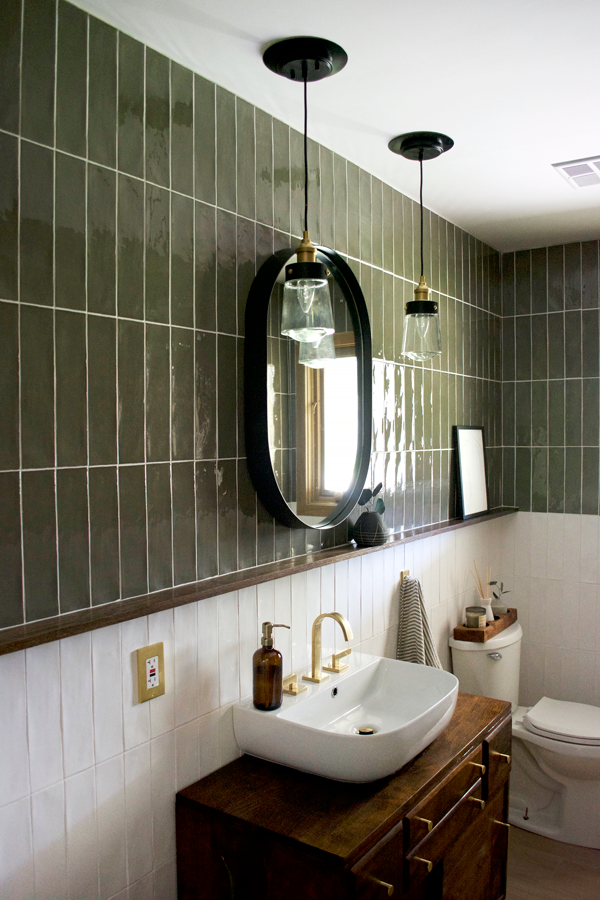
[(415, 643)]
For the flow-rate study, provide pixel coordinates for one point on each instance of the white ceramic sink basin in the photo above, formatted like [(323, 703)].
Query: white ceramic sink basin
[(406, 705)]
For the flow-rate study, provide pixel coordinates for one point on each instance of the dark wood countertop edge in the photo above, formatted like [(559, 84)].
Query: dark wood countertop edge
[(43, 631)]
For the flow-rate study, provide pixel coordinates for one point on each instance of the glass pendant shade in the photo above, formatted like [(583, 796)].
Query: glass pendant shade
[(422, 337), (317, 355), (306, 315)]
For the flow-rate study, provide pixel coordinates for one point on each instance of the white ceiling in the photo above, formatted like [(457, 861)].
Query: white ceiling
[(513, 82)]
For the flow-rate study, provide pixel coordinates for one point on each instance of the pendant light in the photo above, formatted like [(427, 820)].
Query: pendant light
[(422, 337), (306, 315), (317, 355)]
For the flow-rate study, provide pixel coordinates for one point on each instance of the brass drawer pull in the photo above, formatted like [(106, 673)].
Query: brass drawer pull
[(504, 756), (389, 888), (480, 803), (427, 822), (498, 822), (427, 862), (478, 766)]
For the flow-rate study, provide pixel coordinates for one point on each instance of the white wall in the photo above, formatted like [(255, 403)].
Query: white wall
[(88, 776), (551, 564)]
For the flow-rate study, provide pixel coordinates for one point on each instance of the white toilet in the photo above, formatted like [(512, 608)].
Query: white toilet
[(555, 777)]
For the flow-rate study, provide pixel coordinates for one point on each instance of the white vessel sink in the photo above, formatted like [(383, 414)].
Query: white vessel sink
[(406, 705)]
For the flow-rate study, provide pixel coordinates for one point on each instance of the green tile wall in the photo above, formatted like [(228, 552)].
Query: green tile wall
[(136, 202), (551, 358)]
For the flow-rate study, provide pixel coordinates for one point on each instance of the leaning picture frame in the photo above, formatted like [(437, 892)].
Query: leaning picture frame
[(471, 470)]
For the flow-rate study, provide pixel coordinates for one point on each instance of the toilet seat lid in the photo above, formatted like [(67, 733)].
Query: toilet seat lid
[(561, 720)]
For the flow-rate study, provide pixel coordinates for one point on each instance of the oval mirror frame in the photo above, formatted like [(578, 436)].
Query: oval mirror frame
[(255, 387)]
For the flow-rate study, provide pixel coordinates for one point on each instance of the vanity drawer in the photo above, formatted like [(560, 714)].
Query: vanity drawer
[(379, 873), (497, 757), (425, 817)]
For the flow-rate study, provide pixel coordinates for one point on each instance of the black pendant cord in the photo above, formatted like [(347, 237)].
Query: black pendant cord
[(305, 78), (421, 205)]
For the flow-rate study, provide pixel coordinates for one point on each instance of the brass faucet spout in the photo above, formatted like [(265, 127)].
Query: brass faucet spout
[(316, 672)]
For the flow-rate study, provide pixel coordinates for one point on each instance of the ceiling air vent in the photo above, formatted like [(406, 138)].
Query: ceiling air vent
[(580, 172)]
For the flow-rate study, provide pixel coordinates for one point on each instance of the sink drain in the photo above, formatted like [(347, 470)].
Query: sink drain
[(364, 729)]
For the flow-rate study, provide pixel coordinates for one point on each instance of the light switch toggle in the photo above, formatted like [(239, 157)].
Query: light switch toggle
[(150, 672)]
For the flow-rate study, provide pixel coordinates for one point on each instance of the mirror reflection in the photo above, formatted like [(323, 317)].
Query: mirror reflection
[(312, 410)]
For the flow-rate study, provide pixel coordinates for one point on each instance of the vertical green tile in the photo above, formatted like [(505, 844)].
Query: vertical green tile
[(132, 522), (102, 93), (182, 394), (241, 436), (246, 256), (130, 248), (589, 274), (264, 244), (158, 401), (71, 79), (539, 347), (283, 541), (468, 313), (573, 480), (9, 226), (590, 349), (376, 221), (226, 144), (556, 345), (10, 53), (556, 279), (539, 413), (184, 523), (523, 478), (227, 506), (71, 407), (508, 284), (589, 481), (387, 213), (265, 535), (573, 413), (539, 479), (353, 176), (130, 132), (246, 515), (226, 393), (459, 238), (495, 286), (264, 167), (36, 224), (556, 479), (182, 129), (418, 400), (247, 175), (327, 197), (377, 312), (297, 182), (9, 386), (556, 413), (508, 414), (206, 520), (131, 392), (427, 409), (157, 118), (11, 609), (443, 254), (39, 545), (409, 493), (419, 475), (573, 344), (73, 546), (37, 387), (523, 282), (399, 233), (590, 404), (226, 273), (281, 176), (157, 254), (206, 268), (37, 71), (341, 204), (204, 139), (314, 190), (398, 317), (434, 250), (508, 476), (523, 347), (474, 278), (158, 486), (182, 260), (388, 316), (102, 408), (101, 224), (69, 250), (573, 276), (539, 280), (446, 470)]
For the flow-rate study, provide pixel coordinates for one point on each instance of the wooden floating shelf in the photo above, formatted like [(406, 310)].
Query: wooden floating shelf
[(480, 635)]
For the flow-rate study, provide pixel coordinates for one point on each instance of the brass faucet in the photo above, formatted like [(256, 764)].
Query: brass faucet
[(316, 673)]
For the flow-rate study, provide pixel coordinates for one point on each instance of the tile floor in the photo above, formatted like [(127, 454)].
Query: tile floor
[(542, 869)]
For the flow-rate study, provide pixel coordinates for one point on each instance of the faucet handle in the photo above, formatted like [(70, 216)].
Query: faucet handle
[(336, 666), (291, 686)]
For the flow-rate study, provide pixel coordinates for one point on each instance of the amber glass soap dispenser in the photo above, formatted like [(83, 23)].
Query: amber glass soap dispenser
[(267, 684)]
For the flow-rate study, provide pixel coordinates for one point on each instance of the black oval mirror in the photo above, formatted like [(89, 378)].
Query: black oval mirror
[(307, 407)]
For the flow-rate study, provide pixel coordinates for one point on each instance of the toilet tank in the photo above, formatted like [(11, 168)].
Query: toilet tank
[(490, 668)]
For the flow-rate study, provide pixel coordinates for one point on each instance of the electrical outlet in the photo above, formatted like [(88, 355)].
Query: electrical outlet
[(151, 672)]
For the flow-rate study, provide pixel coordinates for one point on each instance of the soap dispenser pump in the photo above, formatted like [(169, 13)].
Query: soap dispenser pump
[(267, 665)]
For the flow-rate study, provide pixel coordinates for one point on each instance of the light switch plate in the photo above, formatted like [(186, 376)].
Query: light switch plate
[(150, 672)]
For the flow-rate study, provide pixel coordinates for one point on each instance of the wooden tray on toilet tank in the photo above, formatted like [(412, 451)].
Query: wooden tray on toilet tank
[(480, 635)]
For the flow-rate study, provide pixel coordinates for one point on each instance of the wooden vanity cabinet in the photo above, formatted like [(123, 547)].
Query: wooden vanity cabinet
[(433, 831)]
